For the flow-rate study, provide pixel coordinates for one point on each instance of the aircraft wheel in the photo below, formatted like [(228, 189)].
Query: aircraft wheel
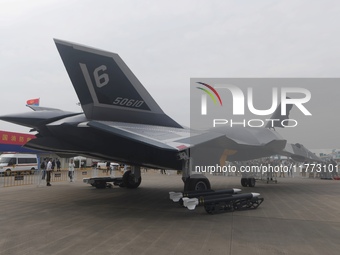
[(197, 182), (251, 182), (129, 180), (244, 182)]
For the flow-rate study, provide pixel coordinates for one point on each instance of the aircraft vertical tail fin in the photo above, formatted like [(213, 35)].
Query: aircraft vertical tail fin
[(107, 89)]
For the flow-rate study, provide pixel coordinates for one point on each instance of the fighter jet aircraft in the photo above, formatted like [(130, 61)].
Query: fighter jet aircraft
[(121, 122)]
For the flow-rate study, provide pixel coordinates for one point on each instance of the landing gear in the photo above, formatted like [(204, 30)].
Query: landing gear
[(196, 182), (245, 182), (130, 180), (251, 182)]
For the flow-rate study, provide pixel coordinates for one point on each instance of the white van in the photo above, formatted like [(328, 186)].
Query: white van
[(102, 165), (15, 162)]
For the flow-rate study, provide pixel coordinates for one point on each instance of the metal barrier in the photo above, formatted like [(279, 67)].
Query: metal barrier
[(17, 180), (26, 178)]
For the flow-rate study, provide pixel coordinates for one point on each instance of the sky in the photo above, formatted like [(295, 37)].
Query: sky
[(165, 43)]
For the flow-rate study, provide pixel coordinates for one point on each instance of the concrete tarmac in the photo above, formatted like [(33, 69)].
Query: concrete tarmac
[(298, 216)]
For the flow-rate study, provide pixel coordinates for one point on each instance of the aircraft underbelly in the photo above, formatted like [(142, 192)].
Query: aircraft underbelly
[(87, 141)]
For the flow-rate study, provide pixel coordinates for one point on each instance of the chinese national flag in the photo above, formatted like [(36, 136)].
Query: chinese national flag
[(34, 101)]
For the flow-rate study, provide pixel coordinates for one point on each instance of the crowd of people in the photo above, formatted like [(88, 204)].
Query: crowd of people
[(48, 165)]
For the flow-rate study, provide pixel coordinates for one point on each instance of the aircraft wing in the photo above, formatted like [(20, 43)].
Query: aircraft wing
[(178, 139), (156, 136), (299, 152)]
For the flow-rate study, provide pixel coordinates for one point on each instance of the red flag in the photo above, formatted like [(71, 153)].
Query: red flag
[(34, 101)]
